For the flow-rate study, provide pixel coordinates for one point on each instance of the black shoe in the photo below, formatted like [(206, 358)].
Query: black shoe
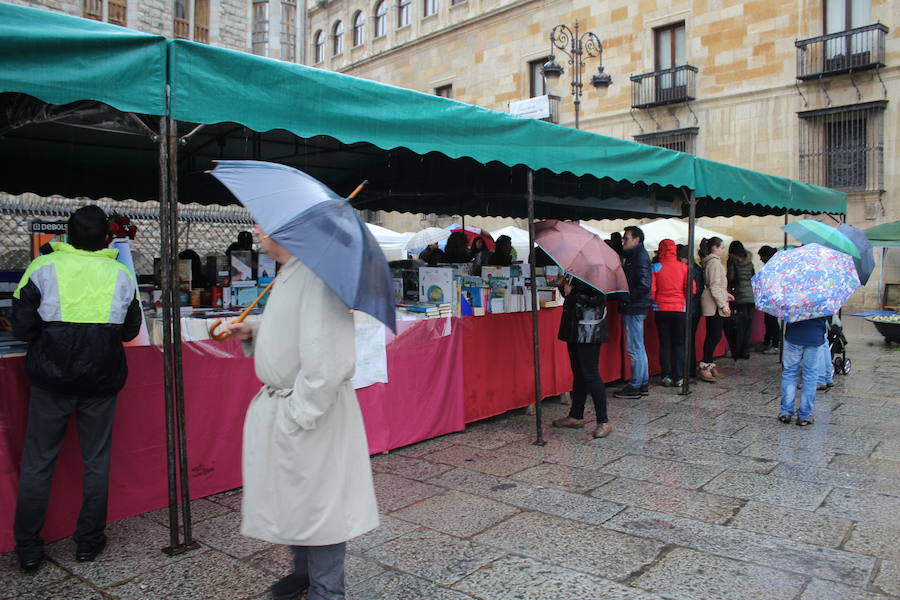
[(628, 392), (678, 383), (645, 389), (804, 422), (289, 587), (786, 419), (821, 388), (31, 561), (88, 551), (830, 384), (666, 381)]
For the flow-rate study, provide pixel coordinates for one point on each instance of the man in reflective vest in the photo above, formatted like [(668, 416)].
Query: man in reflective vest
[(74, 307)]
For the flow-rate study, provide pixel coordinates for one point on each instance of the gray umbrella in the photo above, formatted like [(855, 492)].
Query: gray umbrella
[(866, 263)]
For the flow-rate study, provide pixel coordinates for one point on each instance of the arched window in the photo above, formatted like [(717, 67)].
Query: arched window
[(337, 41), (359, 28), (381, 11), (319, 43), (403, 14)]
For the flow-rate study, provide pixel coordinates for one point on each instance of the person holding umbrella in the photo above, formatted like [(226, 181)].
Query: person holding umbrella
[(307, 477)]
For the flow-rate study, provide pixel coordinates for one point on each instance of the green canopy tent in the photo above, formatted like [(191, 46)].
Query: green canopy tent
[(886, 235), (91, 109)]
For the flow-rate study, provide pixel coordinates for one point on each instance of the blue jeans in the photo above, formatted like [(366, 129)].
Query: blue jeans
[(795, 358), (634, 337), (826, 367)]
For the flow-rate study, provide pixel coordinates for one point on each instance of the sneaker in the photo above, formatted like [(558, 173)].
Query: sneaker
[(786, 419), (770, 350), (645, 389), (830, 384), (569, 423), (603, 430), (678, 383), (628, 392), (804, 422), (666, 381), (822, 388)]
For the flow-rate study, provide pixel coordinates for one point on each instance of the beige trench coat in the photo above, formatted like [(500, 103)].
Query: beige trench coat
[(307, 475), (715, 294)]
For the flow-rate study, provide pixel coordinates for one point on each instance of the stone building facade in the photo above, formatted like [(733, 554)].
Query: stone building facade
[(751, 83)]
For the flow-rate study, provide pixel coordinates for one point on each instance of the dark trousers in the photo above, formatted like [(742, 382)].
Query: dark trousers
[(324, 567), (670, 327), (48, 416), (773, 331), (713, 335), (584, 359), (737, 329)]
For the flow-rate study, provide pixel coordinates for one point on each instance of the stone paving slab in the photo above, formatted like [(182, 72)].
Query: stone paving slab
[(577, 546), (576, 449), (569, 479), (793, 524), (435, 556), (867, 466), (400, 586), (14, 583), (829, 590), (492, 463), (689, 575), (707, 458), (210, 574), (681, 502), (705, 441), (456, 513), (663, 472), (828, 476), (787, 454), (729, 542), (875, 538), (527, 579), (888, 449), (224, 534), (407, 466), (773, 490), (861, 506), (201, 509), (395, 492), (888, 579), (71, 589), (388, 529), (529, 496)]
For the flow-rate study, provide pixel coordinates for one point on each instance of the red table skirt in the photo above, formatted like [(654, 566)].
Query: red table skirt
[(428, 396)]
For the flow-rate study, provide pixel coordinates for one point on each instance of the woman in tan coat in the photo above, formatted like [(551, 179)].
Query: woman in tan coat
[(714, 303)]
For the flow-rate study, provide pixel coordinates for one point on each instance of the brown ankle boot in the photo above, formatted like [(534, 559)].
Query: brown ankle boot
[(569, 423), (603, 430), (715, 372), (704, 373)]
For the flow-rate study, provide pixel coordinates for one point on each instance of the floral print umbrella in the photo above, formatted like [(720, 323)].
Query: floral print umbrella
[(805, 283)]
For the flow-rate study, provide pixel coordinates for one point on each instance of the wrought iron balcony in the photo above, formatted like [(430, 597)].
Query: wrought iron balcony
[(668, 86), (843, 52)]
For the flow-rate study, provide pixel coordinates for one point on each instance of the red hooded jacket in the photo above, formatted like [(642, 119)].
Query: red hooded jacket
[(669, 279)]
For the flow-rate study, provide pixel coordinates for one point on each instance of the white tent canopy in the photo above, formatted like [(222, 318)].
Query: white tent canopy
[(677, 231), (519, 238), (392, 243)]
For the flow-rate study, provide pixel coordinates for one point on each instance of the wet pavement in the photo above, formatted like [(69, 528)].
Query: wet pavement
[(691, 498)]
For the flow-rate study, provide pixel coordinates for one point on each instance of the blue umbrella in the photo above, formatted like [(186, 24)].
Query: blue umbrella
[(865, 264), (318, 227)]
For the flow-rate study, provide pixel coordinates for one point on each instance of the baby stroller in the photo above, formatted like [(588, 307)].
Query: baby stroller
[(837, 343)]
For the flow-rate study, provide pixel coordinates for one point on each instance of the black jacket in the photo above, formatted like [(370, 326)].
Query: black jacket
[(636, 265), (584, 316), (84, 359)]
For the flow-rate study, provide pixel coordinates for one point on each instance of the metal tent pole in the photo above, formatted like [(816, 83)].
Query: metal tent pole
[(166, 263), (535, 330), (781, 345), (690, 353), (184, 470)]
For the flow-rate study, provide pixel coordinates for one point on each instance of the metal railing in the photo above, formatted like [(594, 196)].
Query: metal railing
[(843, 52), (668, 86), (118, 11)]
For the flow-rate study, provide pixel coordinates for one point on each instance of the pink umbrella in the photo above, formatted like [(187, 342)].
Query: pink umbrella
[(474, 232), (581, 253)]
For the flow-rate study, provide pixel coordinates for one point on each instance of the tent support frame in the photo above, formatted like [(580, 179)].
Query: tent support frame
[(690, 353), (535, 328)]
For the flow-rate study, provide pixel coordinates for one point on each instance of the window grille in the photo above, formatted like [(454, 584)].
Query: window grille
[(337, 39), (93, 9), (260, 33), (403, 13), (359, 28), (118, 10), (289, 30), (682, 140), (201, 21), (381, 11), (843, 147), (319, 46)]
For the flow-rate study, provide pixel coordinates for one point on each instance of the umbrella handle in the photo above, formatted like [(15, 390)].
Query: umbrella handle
[(357, 190), (240, 317)]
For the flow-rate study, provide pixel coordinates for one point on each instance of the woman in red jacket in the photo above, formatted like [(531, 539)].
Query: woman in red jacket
[(667, 292)]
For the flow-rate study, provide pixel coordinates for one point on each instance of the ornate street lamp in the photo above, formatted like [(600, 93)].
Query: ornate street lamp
[(576, 47)]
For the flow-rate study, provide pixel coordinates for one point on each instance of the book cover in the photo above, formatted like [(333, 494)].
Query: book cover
[(436, 285)]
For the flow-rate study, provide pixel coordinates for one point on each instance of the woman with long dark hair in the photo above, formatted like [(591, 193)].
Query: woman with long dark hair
[(457, 249), (584, 328), (502, 256), (739, 270), (480, 254), (714, 303)]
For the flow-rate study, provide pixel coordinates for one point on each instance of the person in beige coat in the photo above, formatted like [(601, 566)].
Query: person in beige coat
[(307, 475), (714, 303)]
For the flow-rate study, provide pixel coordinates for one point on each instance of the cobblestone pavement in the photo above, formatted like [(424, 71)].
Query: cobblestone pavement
[(692, 498)]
